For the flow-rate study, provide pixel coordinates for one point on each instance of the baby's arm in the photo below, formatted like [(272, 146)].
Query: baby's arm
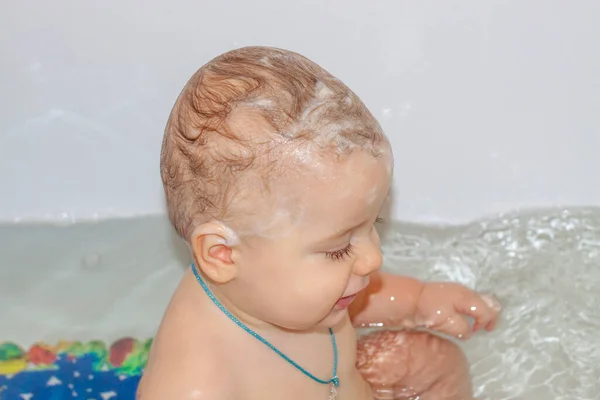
[(398, 301), (409, 364)]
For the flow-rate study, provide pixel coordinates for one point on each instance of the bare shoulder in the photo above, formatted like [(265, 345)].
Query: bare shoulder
[(181, 371), (182, 386)]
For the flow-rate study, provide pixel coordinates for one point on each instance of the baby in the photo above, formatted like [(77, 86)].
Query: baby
[(275, 173)]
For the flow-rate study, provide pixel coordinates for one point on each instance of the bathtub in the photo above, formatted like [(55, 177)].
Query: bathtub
[(490, 106), (82, 301)]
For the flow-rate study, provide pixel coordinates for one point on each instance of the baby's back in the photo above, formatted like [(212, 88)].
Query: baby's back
[(199, 353)]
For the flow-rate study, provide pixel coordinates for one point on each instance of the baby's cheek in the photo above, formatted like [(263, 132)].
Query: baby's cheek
[(314, 289)]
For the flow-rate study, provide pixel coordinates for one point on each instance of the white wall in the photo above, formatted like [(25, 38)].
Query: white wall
[(491, 105)]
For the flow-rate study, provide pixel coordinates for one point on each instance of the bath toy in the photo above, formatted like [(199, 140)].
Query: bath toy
[(41, 355), (73, 350), (128, 356), (98, 349), (12, 359), (145, 351), (120, 351)]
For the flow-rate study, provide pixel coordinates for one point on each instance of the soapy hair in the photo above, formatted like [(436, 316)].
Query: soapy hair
[(301, 106)]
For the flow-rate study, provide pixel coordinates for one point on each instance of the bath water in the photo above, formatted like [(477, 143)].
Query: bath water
[(544, 266), (91, 294)]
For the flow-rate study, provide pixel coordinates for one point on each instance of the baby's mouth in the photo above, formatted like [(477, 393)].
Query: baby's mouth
[(345, 302)]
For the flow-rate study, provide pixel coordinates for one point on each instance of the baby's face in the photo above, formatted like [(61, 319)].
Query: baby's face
[(315, 242)]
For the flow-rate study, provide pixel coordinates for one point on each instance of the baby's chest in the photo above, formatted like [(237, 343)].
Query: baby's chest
[(280, 385), (265, 375)]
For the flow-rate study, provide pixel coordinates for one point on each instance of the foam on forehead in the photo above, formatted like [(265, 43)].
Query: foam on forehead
[(330, 184)]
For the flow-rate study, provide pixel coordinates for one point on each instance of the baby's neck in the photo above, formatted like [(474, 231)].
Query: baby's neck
[(201, 304)]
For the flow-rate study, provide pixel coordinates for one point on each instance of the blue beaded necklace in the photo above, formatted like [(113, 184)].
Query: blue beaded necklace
[(335, 381)]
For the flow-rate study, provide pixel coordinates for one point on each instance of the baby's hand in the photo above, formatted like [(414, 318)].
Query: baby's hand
[(444, 307)]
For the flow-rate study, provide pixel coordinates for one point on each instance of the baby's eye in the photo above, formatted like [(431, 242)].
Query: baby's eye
[(379, 220), (340, 255)]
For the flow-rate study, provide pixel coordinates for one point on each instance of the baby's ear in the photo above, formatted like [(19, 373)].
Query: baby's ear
[(212, 246)]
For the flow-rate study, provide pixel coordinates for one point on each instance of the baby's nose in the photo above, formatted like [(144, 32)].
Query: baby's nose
[(368, 262)]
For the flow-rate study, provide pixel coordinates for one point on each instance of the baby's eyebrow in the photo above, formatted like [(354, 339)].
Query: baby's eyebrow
[(339, 234)]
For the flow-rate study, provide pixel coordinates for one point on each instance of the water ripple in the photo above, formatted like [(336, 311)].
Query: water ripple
[(545, 268)]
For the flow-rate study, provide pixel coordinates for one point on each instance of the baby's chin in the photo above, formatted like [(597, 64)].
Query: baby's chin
[(333, 318)]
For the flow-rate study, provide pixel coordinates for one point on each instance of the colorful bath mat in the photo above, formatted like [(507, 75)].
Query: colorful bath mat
[(72, 370)]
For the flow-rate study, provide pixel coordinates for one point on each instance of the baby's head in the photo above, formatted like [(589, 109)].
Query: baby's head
[(273, 170)]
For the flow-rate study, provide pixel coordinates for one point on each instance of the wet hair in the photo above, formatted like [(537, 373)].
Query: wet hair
[(299, 104)]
